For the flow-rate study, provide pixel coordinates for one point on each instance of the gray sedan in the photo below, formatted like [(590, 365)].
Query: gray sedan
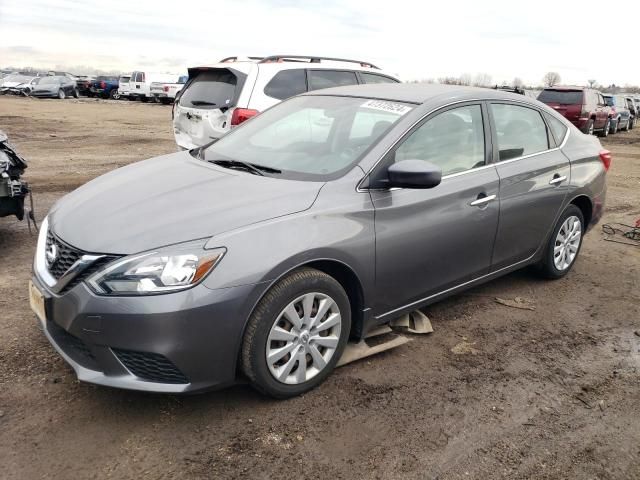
[(260, 255)]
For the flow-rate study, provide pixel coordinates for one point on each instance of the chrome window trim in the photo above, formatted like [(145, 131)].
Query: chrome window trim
[(361, 189)]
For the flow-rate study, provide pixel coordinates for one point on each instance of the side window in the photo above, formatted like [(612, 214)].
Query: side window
[(286, 83), (558, 128), (373, 78), (330, 78), (520, 130), (453, 140)]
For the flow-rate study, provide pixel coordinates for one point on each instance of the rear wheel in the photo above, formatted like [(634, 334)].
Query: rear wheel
[(296, 334), (627, 127), (614, 126), (605, 131), (76, 94), (633, 123), (564, 244), (61, 94), (114, 94), (589, 128)]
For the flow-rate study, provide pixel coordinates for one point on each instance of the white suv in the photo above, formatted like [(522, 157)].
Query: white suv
[(221, 96)]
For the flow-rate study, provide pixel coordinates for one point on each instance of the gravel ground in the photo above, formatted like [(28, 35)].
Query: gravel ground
[(494, 392)]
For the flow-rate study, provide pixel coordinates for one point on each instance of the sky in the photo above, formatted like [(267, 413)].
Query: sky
[(415, 40)]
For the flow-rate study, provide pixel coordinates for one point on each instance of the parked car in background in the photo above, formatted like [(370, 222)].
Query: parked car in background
[(633, 110), (123, 86), (584, 107), (369, 202), (105, 86), (620, 114), (140, 83), (55, 87), (84, 84), (18, 85), (166, 92), (221, 96)]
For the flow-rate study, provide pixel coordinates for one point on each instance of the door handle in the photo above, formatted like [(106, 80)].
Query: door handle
[(482, 200), (557, 179)]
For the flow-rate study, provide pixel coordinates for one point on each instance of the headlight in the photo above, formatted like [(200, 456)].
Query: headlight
[(166, 270)]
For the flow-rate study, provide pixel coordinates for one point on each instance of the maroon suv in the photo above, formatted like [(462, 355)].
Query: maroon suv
[(584, 107)]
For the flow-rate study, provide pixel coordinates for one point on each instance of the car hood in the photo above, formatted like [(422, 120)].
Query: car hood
[(171, 199)]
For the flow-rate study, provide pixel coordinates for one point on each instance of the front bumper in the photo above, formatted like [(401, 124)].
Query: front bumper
[(181, 342)]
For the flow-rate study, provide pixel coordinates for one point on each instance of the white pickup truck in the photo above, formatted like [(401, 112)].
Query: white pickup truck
[(165, 92)]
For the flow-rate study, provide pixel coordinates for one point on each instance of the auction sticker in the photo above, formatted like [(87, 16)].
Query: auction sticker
[(385, 106)]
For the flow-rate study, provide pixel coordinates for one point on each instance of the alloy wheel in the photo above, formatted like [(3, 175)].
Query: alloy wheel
[(590, 131), (567, 243), (304, 338)]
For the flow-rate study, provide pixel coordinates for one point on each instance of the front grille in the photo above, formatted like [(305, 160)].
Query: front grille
[(72, 346), (66, 256), (150, 366)]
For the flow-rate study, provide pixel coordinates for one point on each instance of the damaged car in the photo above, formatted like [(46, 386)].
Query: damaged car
[(13, 190), (18, 84)]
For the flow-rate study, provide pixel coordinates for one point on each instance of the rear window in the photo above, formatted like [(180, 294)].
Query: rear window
[(330, 78), (287, 83), (373, 78), (210, 89), (563, 97)]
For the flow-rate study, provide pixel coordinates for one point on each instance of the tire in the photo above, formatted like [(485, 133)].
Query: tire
[(61, 94), (627, 127), (114, 95), (558, 261), (605, 131), (614, 127), (589, 128), (76, 94), (303, 287), (633, 123)]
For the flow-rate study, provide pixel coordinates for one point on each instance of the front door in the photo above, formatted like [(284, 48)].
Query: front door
[(430, 240), (534, 180)]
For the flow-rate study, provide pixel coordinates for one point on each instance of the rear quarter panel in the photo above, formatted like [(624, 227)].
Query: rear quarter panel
[(588, 176)]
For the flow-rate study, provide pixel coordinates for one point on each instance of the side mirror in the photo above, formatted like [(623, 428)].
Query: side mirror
[(414, 174)]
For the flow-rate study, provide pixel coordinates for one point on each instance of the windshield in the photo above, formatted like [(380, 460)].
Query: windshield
[(49, 81), (309, 137), (16, 78), (563, 97)]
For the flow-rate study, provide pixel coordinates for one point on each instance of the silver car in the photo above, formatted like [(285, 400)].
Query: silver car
[(260, 255)]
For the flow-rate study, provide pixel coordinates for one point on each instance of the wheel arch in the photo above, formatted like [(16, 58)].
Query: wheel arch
[(583, 202)]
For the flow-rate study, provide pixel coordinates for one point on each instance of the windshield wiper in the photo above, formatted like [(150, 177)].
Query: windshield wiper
[(202, 102), (237, 163)]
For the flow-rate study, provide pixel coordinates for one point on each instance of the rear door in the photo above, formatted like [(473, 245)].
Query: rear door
[(430, 240), (534, 180)]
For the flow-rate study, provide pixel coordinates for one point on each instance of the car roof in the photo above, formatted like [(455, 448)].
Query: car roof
[(422, 93)]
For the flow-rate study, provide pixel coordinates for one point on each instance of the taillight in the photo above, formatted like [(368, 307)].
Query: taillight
[(242, 115), (102, 84), (605, 157)]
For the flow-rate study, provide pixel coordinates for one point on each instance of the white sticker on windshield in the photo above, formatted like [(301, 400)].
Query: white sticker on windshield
[(385, 106)]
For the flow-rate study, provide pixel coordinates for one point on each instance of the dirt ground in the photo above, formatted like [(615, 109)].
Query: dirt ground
[(494, 392)]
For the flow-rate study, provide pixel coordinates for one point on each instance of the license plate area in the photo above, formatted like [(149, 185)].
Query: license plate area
[(37, 302)]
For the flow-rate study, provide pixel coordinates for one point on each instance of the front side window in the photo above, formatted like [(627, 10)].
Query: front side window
[(330, 78), (452, 140), (520, 130), (287, 83), (310, 137)]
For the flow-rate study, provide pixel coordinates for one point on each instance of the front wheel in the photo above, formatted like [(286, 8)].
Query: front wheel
[(627, 127), (296, 334), (76, 94), (61, 94), (564, 244), (614, 126), (114, 94)]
